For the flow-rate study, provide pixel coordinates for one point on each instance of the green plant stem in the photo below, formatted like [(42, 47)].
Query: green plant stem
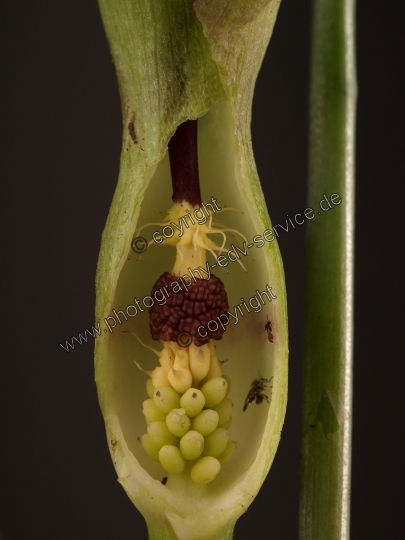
[(327, 402), (161, 532)]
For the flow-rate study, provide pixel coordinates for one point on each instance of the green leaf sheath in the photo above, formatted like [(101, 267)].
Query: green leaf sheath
[(166, 75), (327, 405), (175, 61), (178, 60)]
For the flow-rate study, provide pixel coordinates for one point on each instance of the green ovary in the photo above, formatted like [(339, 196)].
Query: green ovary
[(182, 429)]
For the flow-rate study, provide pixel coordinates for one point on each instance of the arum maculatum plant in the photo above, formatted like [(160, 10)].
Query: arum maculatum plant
[(191, 368)]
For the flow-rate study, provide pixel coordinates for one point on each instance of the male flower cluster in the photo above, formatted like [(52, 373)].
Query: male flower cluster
[(188, 310)]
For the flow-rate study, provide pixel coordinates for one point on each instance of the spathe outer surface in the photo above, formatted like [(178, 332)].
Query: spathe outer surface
[(174, 61)]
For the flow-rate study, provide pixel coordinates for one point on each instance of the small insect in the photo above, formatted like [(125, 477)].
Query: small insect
[(164, 480), (256, 392), (269, 330)]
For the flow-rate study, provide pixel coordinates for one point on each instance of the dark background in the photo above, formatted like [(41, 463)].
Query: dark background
[(61, 132)]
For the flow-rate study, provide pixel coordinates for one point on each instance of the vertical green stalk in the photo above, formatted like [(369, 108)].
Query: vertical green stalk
[(327, 405)]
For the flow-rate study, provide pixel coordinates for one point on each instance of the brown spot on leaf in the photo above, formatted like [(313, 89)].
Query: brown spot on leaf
[(131, 128)]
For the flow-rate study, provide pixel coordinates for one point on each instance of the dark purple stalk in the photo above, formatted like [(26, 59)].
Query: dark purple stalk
[(184, 164)]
